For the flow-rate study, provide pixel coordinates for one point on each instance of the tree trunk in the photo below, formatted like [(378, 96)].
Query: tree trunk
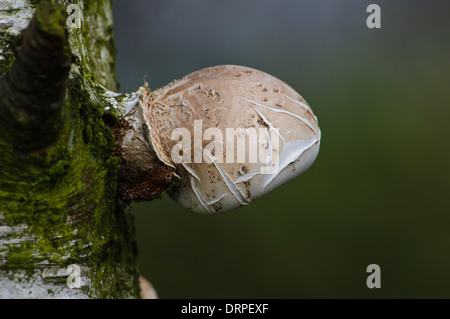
[(63, 231)]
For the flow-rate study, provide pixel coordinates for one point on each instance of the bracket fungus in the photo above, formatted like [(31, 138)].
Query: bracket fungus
[(225, 135)]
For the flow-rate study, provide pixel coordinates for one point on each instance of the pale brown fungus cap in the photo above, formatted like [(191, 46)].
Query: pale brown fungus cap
[(224, 98)]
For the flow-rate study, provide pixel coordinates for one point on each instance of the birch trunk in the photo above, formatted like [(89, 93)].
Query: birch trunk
[(63, 232)]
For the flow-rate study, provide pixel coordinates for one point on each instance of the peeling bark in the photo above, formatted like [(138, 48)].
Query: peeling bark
[(142, 175)]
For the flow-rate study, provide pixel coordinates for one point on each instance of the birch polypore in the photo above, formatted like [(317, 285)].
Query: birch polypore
[(229, 133)]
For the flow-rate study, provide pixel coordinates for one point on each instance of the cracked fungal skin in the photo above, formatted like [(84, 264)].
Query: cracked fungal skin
[(234, 97)]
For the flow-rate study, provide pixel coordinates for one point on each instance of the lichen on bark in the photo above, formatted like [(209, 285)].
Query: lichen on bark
[(58, 204)]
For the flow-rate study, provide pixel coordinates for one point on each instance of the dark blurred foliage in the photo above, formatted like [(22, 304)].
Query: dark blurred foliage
[(379, 189)]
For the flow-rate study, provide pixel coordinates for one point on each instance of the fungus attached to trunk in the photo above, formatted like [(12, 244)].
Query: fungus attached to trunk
[(226, 134)]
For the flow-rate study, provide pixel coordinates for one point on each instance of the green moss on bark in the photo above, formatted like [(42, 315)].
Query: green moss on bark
[(74, 181), (97, 36), (66, 195), (6, 62)]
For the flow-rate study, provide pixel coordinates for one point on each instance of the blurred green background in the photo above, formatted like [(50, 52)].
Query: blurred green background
[(379, 189)]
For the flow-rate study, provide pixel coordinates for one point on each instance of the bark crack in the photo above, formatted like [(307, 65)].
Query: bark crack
[(32, 90)]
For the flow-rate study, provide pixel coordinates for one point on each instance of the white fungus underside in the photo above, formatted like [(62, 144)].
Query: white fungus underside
[(290, 156)]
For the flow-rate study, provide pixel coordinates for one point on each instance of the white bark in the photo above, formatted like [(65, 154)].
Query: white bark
[(47, 278)]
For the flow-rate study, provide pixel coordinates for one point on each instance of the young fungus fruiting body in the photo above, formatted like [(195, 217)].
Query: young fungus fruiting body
[(230, 133)]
